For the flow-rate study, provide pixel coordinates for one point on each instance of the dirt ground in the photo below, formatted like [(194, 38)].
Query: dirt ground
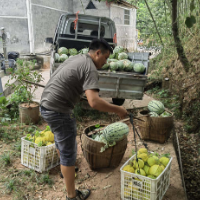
[(106, 183)]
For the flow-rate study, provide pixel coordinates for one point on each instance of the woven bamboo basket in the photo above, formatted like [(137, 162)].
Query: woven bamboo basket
[(155, 128), (111, 157)]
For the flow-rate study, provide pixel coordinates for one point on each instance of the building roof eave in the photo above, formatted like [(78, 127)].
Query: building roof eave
[(124, 3)]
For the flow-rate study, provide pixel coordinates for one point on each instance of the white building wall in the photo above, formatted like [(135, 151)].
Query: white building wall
[(103, 9), (13, 17), (126, 34), (43, 18), (29, 22)]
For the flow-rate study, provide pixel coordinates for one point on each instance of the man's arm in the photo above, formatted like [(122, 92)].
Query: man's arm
[(100, 104)]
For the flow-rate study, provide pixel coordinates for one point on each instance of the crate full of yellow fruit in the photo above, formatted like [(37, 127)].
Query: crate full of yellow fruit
[(146, 177), (38, 151)]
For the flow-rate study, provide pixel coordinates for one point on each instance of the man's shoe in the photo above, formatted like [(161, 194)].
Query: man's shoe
[(80, 195)]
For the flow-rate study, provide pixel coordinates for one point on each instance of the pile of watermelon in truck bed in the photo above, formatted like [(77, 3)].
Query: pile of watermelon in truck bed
[(124, 75), (118, 61)]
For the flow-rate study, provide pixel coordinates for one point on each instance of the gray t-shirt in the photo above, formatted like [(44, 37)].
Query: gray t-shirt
[(76, 75)]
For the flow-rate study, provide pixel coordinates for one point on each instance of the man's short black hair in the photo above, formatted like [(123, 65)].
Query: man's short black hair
[(100, 44)]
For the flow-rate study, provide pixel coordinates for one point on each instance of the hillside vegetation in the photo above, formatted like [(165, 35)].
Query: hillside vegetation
[(186, 85), (180, 83), (180, 88)]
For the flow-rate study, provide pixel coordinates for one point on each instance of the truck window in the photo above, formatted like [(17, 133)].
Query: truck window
[(88, 29)]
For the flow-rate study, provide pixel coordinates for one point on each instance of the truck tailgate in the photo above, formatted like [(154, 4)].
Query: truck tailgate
[(122, 85)]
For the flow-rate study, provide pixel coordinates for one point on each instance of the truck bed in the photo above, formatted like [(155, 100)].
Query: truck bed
[(122, 85)]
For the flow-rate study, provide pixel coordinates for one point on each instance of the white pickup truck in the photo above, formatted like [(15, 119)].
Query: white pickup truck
[(118, 86)]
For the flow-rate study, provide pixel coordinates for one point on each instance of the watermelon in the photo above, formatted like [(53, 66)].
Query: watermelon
[(113, 66), (109, 60), (112, 55), (113, 133), (166, 114), (120, 65), (63, 57), (73, 52), (156, 106), (84, 51), (139, 68), (116, 56), (153, 114), (118, 49), (62, 50), (57, 57), (106, 66), (122, 56), (128, 65)]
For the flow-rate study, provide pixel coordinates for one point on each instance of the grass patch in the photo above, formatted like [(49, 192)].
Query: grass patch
[(5, 159), (14, 132), (27, 172), (80, 114), (21, 195), (12, 185), (45, 179), (17, 146)]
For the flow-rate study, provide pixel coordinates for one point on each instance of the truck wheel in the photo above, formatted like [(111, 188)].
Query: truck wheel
[(118, 102)]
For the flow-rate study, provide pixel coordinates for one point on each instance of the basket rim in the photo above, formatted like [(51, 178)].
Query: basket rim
[(95, 140), (100, 142), (147, 115), (23, 138), (87, 134), (121, 168)]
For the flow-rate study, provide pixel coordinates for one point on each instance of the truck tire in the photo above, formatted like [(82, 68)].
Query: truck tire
[(118, 102)]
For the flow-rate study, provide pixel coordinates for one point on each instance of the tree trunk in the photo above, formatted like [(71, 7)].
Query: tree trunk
[(154, 22), (177, 40)]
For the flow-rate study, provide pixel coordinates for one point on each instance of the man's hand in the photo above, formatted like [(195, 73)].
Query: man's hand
[(100, 104), (122, 112)]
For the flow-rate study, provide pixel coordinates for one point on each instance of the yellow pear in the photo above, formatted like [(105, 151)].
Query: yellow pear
[(140, 172), (155, 170), (49, 143), (139, 164), (157, 159), (152, 161), (129, 168), (40, 140), (162, 166), (146, 169), (143, 156), (142, 150), (151, 176), (164, 161)]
